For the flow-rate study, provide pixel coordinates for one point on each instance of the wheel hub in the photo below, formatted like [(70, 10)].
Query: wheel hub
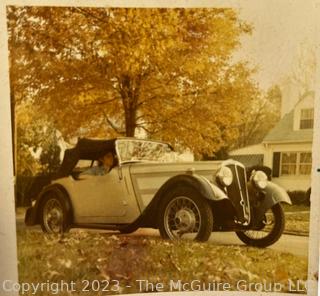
[(185, 220), (55, 216)]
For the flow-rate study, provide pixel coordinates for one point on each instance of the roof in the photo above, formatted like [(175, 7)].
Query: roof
[(283, 132)]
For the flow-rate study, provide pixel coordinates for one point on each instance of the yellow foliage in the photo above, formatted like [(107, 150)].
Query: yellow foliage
[(167, 73)]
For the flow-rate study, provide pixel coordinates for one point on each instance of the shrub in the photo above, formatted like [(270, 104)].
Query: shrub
[(299, 197)]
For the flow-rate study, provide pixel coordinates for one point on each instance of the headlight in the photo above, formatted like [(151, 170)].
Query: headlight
[(259, 179), (224, 176)]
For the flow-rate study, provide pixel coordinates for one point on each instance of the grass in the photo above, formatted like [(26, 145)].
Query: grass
[(297, 223), (82, 255), (297, 219), (295, 208)]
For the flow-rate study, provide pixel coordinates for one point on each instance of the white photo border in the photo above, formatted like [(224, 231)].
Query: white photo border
[(8, 248)]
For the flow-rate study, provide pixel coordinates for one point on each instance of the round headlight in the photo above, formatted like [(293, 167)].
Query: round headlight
[(260, 179), (224, 176)]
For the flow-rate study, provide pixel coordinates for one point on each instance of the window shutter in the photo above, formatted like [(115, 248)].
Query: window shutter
[(276, 165)]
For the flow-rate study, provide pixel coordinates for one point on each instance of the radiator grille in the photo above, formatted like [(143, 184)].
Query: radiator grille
[(238, 193)]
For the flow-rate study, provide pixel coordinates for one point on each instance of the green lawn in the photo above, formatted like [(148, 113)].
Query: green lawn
[(81, 255)]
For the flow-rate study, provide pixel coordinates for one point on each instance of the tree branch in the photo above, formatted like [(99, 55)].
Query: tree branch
[(113, 126), (99, 103), (86, 13)]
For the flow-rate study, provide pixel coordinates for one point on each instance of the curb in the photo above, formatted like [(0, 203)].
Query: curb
[(304, 234), (297, 212)]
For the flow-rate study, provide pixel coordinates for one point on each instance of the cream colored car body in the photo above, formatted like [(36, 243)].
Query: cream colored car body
[(122, 195)]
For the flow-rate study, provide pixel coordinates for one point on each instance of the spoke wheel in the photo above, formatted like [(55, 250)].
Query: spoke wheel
[(185, 215), (53, 215), (270, 232)]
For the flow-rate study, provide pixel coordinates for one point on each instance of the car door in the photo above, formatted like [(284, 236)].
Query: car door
[(102, 199)]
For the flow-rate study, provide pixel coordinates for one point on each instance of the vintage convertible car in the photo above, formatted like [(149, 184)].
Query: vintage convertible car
[(148, 187)]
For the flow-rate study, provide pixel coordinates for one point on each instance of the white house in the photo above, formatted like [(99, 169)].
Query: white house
[(287, 147)]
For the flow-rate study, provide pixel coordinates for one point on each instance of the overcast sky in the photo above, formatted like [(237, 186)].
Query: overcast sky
[(280, 26)]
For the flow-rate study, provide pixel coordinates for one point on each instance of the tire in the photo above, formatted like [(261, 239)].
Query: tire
[(184, 211), (53, 213), (270, 235)]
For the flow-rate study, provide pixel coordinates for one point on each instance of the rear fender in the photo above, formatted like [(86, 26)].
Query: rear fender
[(33, 213), (274, 194)]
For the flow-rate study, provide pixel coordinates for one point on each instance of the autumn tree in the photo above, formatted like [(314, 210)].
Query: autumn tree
[(304, 68), (38, 150), (161, 73), (259, 117)]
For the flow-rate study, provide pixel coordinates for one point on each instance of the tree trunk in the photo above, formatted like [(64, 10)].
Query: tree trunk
[(130, 122), (129, 94)]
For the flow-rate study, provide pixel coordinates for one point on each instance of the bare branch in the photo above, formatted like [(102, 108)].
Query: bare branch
[(112, 125)]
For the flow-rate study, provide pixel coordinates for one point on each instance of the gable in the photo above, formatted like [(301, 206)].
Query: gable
[(306, 102), (284, 132), (288, 129)]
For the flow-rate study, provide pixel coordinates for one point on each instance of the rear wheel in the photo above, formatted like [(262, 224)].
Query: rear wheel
[(185, 214), (270, 232), (53, 214)]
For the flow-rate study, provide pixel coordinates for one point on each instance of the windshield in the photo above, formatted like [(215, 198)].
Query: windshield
[(142, 150)]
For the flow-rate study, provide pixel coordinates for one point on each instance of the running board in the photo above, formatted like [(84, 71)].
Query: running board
[(100, 226)]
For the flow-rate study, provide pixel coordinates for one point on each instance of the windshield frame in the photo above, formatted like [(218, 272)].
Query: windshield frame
[(120, 161)]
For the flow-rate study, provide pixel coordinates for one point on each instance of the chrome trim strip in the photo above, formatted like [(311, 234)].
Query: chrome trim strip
[(243, 203)]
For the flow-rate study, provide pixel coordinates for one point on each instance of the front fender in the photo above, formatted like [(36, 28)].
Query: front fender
[(273, 194), (201, 184)]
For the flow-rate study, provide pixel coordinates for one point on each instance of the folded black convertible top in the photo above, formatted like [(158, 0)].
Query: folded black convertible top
[(87, 149)]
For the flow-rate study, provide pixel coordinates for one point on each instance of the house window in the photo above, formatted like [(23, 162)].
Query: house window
[(306, 118), (305, 164), (289, 163), (296, 163)]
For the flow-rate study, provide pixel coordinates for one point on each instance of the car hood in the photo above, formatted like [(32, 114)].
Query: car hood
[(205, 168)]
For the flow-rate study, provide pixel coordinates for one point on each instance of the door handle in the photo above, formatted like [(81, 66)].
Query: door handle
[(120, 173)]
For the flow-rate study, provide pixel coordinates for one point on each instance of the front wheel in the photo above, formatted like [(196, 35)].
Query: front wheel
[(184, 213), (274, 222), (53, 214)]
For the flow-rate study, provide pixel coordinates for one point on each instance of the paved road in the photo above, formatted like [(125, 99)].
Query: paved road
[(297, 245)]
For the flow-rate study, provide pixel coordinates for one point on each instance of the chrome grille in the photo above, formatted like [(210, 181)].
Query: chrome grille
[(238, 193)]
